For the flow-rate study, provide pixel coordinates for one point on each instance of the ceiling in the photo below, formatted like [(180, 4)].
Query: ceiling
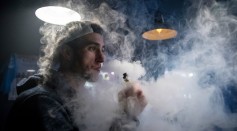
[(21, 27)]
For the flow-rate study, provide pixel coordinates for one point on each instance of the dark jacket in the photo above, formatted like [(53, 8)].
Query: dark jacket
[(39, 109)]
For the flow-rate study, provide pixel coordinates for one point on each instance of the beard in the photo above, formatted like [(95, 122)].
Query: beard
[(91, 76), (85, 72)]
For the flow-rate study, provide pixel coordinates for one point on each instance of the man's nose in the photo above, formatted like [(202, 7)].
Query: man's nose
[(100, 56)]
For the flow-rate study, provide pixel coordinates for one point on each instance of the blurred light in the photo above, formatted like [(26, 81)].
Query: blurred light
[(185, 96), (112, 73), (159, 34), (57, 15), (190, 74), (106, 76), (31, 71), (187, 74), (89, 85)]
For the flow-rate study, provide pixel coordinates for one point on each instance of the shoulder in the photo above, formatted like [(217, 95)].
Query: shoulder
[(38, 99), (42, 109), (37, 92)]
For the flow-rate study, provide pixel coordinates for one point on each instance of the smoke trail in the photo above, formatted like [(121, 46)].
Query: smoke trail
[(98, 106), (188, 94), (120, 38), (189, 97)]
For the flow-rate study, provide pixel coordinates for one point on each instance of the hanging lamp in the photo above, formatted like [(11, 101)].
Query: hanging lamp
[(163, 32), (57, 15)]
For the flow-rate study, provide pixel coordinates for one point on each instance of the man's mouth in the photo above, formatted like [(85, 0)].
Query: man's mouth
[(97, 68)]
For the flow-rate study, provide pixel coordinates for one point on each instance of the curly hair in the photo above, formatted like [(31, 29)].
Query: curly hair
[(56, 37)]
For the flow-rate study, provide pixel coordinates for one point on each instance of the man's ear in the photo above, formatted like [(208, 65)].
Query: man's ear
[(66, 52)]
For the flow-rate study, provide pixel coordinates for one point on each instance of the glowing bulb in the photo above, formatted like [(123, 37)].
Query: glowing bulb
[(57, 15), (158, 30)]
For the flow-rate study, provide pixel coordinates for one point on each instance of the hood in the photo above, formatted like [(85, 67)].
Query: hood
[(28, 83)]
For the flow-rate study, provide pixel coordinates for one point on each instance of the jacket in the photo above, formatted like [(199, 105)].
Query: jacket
[(40, 109)]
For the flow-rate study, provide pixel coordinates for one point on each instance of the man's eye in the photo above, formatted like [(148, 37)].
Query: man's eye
[(92, 48)]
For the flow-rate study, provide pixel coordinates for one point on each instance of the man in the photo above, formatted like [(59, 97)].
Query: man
[(72, 56)]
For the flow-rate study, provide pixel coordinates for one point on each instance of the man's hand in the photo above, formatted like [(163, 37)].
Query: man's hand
[(132, 99)]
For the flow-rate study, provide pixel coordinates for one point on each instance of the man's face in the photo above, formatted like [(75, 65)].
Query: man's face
[(88, 56)]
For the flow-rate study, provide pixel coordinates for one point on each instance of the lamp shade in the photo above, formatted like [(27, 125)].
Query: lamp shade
[(159, 34), (160, 30), (57, 15)]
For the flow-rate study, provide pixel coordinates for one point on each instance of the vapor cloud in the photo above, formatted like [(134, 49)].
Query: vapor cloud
[(188, 94)]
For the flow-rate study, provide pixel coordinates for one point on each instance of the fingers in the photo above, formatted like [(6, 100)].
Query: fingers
[(132, 99), (140, 95)]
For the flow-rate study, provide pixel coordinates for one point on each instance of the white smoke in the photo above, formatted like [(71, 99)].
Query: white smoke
[(187, 97), (98, 106)]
